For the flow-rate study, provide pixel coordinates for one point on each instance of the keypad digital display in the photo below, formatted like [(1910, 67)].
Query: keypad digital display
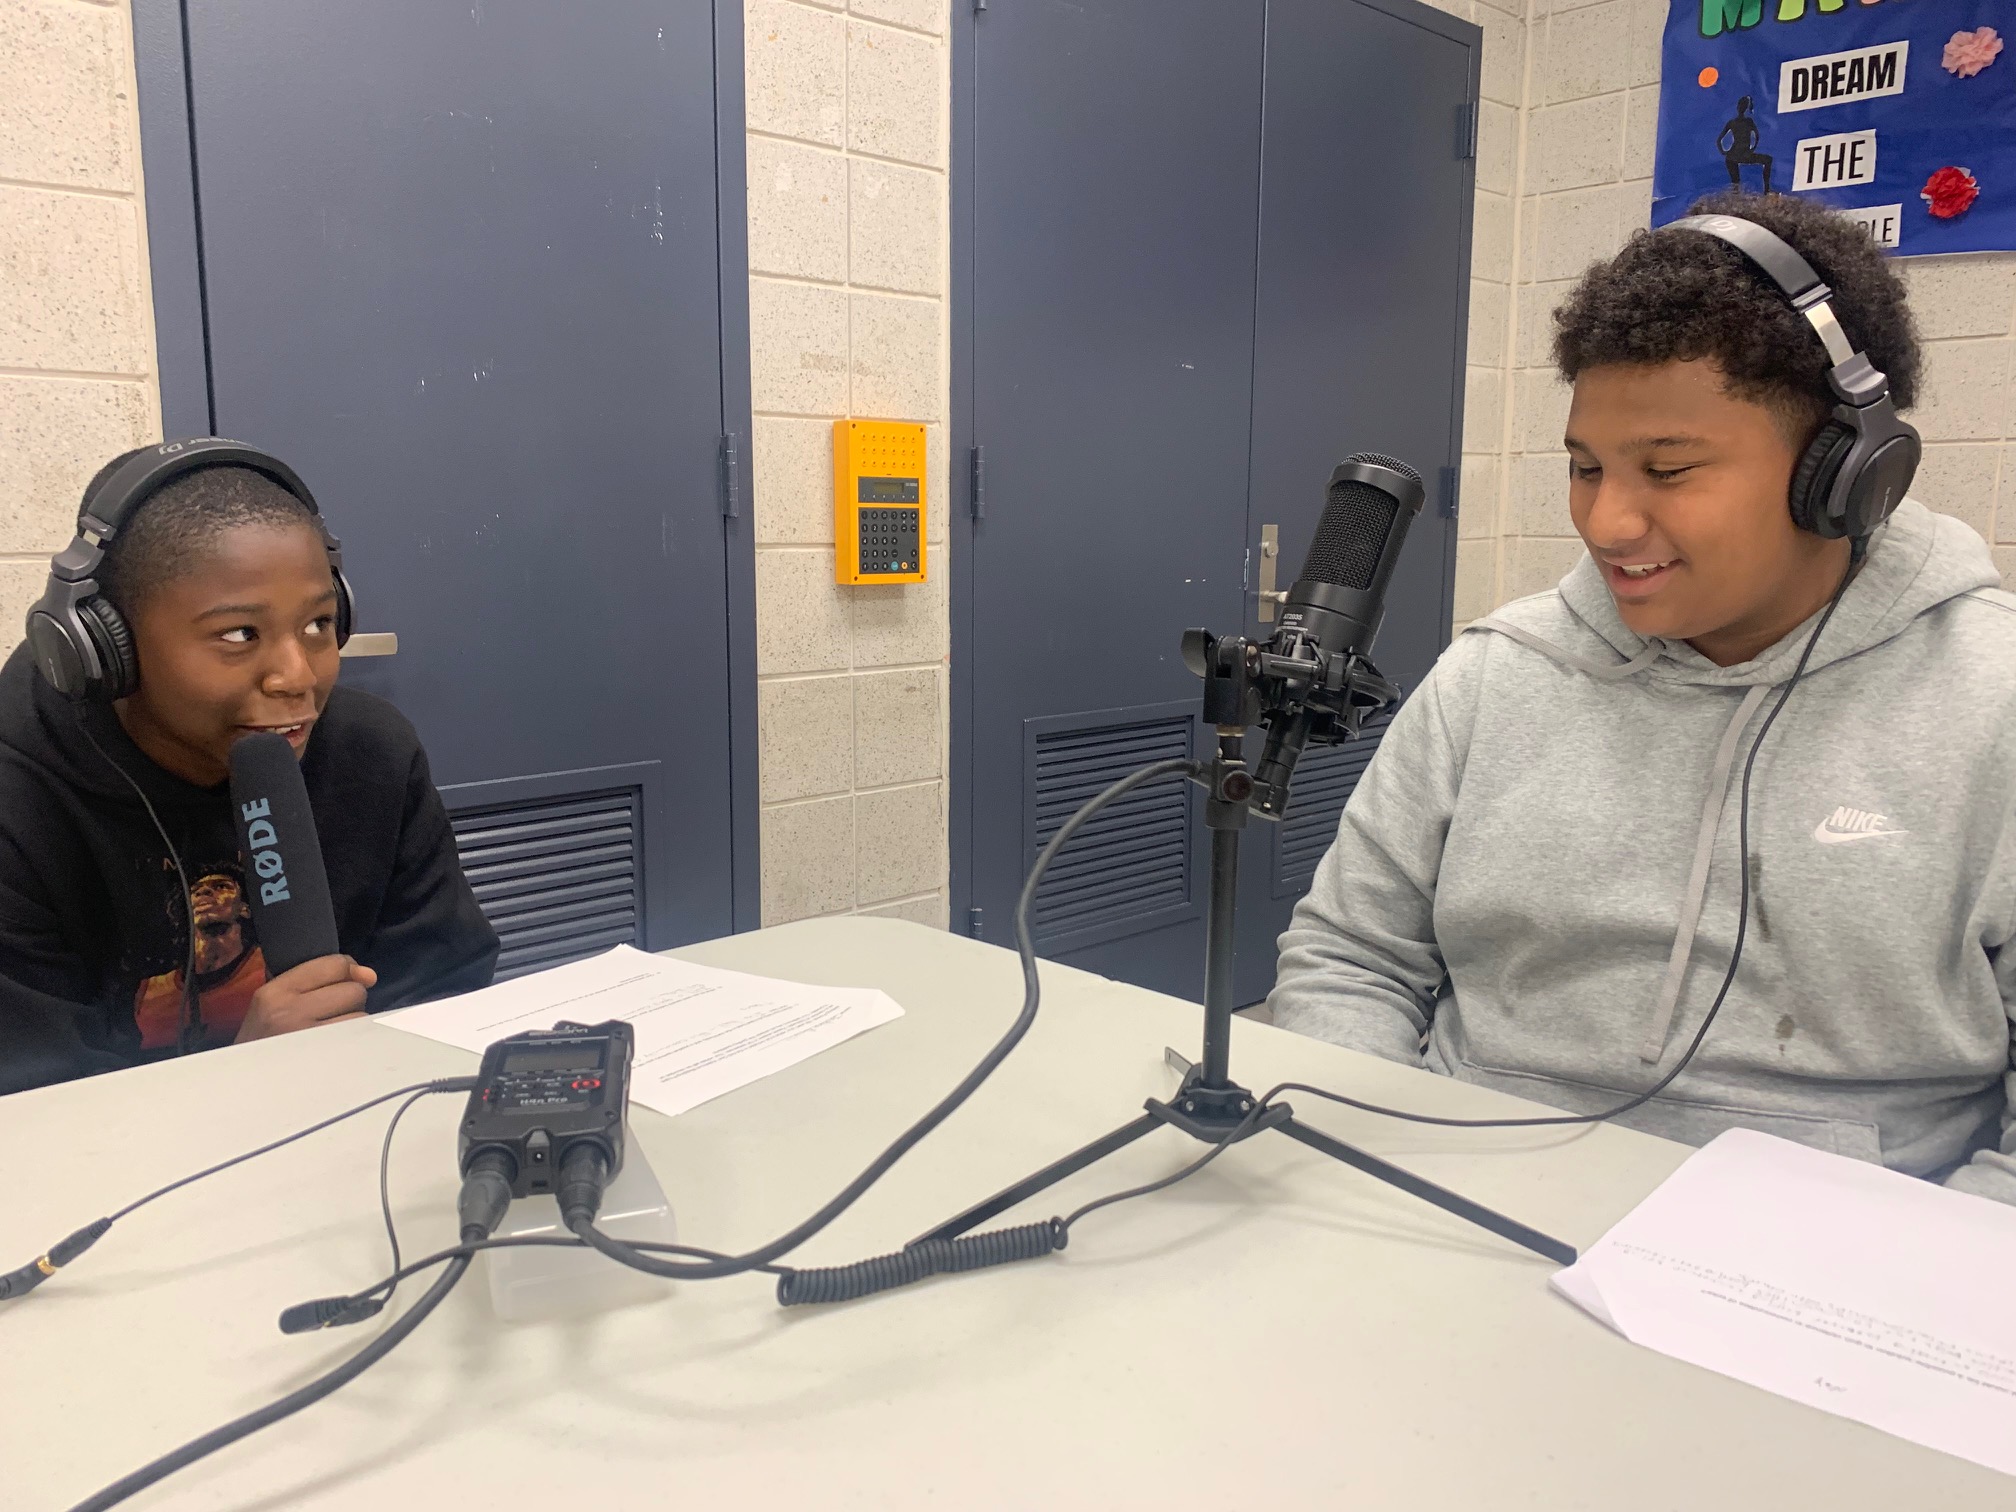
[(886, 491)]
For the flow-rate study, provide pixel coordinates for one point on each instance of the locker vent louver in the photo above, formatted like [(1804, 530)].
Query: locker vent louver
[(1133, 859), (558, 878), (1324, 780)]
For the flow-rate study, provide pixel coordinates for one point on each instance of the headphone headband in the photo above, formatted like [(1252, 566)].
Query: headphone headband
[(1778, 258), (1855, 471), (80, 641), (107, 508)]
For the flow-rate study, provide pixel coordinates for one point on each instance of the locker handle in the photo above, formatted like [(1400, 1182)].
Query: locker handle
[(1270, 557), (371, 643)]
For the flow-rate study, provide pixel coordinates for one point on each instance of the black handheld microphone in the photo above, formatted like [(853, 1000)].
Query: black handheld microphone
[(284, 880), (1332, 612)]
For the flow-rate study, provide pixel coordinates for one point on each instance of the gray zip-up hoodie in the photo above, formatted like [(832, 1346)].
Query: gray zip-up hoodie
[(1534, 887)]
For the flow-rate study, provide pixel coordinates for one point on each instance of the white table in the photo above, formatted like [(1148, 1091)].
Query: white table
[(1279, 1330)]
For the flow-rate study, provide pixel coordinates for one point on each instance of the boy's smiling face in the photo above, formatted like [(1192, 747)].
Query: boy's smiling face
[(1681, 492), (244, 640)]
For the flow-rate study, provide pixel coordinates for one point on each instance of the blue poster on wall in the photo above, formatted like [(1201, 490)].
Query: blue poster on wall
[(1901, 111)]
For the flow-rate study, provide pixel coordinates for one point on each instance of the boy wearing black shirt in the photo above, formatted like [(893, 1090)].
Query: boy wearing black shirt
[(228, 589)]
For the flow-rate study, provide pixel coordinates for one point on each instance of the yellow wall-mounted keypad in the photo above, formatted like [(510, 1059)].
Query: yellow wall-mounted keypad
[(878, 502)]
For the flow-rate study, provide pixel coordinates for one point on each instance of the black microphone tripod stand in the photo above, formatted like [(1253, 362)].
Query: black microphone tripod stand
[(1324, 698)]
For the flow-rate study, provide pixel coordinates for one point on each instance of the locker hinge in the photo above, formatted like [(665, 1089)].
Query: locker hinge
[(1448, 482), (979, 6), (977, 490), (973, 914), (1466, 130), (731, 476)]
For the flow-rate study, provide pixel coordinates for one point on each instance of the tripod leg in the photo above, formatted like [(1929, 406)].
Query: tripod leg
[(1049, 1176), (1427, 1191)]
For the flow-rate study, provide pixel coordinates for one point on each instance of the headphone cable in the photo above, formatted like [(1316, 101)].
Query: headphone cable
[(1857, 554), (192, 998), (28, 1277)]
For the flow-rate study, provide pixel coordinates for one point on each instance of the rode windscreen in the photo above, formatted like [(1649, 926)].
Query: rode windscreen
[(285, 881), (1340, 594)]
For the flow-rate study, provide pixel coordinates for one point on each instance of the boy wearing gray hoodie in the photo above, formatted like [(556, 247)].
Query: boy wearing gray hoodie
[(1539, 884)]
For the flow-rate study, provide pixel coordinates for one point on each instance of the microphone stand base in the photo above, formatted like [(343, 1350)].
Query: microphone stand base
[(1208, 1114), (1210, 1105)]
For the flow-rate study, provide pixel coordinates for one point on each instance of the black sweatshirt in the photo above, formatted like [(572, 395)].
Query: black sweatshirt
[(93, 937)]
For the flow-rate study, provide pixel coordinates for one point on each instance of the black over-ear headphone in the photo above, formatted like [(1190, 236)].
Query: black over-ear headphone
[(79, 639), (1856, 470)]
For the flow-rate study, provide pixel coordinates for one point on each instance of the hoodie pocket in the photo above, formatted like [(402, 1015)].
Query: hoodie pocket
[(1689, 1120)]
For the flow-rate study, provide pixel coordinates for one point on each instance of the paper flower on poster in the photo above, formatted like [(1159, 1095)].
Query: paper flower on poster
[(1967, 53), (1950, 192)]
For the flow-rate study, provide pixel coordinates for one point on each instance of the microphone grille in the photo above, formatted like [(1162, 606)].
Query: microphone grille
[(1380, 459), (1351, 536)]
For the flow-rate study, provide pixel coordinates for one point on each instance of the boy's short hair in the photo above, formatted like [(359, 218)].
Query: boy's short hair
[(1676, 295), (177, 525)]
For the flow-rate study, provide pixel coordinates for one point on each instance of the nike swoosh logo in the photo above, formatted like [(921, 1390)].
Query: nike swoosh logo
[(1828, 836)]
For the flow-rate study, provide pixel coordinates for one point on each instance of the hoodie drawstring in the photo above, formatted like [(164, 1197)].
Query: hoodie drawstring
[(1697, 882), (1661, 1024)]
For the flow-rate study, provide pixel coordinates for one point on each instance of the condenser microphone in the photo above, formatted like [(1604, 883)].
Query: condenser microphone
[(284, 878), (1340, 594), (1332, 612)]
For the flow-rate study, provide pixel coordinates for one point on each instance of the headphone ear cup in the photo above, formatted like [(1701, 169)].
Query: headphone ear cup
[(64, 664), (346, 609), (1813, 480), (107, 628)]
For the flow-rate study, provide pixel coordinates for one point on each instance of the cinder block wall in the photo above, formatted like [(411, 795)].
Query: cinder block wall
[(76, 317), (1493, 272), (849, 134)]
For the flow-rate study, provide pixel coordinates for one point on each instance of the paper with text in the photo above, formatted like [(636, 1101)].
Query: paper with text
[(701, 1031), (1866, 1293)]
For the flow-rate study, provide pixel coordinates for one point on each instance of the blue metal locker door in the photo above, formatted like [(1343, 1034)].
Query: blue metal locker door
[(1366, 179), (461, 267), (1113, 189)]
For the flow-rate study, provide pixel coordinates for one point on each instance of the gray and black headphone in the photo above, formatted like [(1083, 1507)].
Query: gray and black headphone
[(1856, 470), (80, 641)]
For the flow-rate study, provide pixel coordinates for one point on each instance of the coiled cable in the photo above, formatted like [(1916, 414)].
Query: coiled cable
[(928, 1257)]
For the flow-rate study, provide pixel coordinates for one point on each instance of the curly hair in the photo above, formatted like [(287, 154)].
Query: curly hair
[(1681, 296), (177, 525)]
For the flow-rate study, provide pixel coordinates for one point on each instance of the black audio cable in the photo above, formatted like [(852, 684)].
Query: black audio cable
[(633, 1256), (1027, 1241), (485, 1195), (339, 1312), (335, 1306), (20, 1282)]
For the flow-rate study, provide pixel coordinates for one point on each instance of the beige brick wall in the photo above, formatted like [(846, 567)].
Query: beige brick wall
[(76, 318), (1587, 116), (848, 117), (1493, 265)]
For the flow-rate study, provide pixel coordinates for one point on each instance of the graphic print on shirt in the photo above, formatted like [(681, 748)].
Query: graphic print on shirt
[(1846, 824), (229, 964)]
